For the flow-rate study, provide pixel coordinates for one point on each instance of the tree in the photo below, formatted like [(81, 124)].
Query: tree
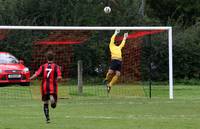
[(188, 10)]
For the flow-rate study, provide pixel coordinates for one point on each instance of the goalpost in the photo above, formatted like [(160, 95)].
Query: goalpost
[(166, 28)]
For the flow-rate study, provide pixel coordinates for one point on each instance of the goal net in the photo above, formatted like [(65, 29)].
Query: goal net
[(84, 57)]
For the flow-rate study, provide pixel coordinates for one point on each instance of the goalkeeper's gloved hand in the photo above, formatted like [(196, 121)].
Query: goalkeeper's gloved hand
[(117, 32), (125, 35)]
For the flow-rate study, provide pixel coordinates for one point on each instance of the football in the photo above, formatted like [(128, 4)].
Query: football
[(107, 9)]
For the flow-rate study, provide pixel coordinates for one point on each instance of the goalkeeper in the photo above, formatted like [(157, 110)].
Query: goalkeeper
[(50, 75), (116, 61)]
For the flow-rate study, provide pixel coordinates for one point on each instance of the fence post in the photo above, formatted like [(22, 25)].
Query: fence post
[(80, 77)]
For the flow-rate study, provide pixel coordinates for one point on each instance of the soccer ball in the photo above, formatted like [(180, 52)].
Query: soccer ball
[(107, 9)]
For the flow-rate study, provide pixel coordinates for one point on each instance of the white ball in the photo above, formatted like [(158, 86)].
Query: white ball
[(107, 9)]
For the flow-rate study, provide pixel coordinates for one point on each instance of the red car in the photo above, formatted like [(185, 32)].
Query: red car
[(12, 70)]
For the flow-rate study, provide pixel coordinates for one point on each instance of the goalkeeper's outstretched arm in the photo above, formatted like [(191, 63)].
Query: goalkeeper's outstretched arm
[(124, 40), (113, 37)]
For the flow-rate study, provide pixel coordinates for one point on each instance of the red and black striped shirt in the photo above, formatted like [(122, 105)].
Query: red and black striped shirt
[(50, 72)]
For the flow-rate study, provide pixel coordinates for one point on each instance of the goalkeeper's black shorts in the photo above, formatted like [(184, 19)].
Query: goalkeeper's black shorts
[(115, 65)]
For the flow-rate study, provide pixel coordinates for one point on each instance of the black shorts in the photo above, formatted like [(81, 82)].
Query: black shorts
[(116, 65), (47, 97)]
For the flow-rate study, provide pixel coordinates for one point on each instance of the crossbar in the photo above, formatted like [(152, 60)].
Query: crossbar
[(85, 27)]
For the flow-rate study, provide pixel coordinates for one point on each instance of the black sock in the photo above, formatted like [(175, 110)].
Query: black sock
[(53, 105), (46, 111)]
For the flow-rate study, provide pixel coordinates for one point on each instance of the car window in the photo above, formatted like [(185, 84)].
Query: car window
[(8, 59)]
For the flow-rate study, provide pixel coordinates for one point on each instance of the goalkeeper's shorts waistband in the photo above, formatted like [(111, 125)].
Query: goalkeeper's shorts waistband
[(120, 59)]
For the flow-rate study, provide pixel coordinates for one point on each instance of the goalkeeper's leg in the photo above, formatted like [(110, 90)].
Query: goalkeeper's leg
[(108, 76), (114, 80)]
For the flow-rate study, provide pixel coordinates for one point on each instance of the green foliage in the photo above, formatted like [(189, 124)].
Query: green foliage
[(187, 9), (187, 53), (94, 54), (18, 43), (67, 12), (154, 62), (192, 82)]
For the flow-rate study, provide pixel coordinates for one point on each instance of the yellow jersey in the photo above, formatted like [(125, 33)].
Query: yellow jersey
[(116, 51)]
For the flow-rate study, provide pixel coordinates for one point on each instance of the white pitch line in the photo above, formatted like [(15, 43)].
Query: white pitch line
[(125, 117), (134, 117)]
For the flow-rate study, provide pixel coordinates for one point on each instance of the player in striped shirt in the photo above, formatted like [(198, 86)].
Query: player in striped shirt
[(51, 74)]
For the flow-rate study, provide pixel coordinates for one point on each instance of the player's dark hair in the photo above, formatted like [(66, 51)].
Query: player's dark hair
[(50, 56)]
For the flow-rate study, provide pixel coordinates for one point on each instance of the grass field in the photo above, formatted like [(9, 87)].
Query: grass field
[(104, 112)]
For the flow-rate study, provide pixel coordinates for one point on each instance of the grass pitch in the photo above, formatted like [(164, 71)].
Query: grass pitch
[(106, 112)]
